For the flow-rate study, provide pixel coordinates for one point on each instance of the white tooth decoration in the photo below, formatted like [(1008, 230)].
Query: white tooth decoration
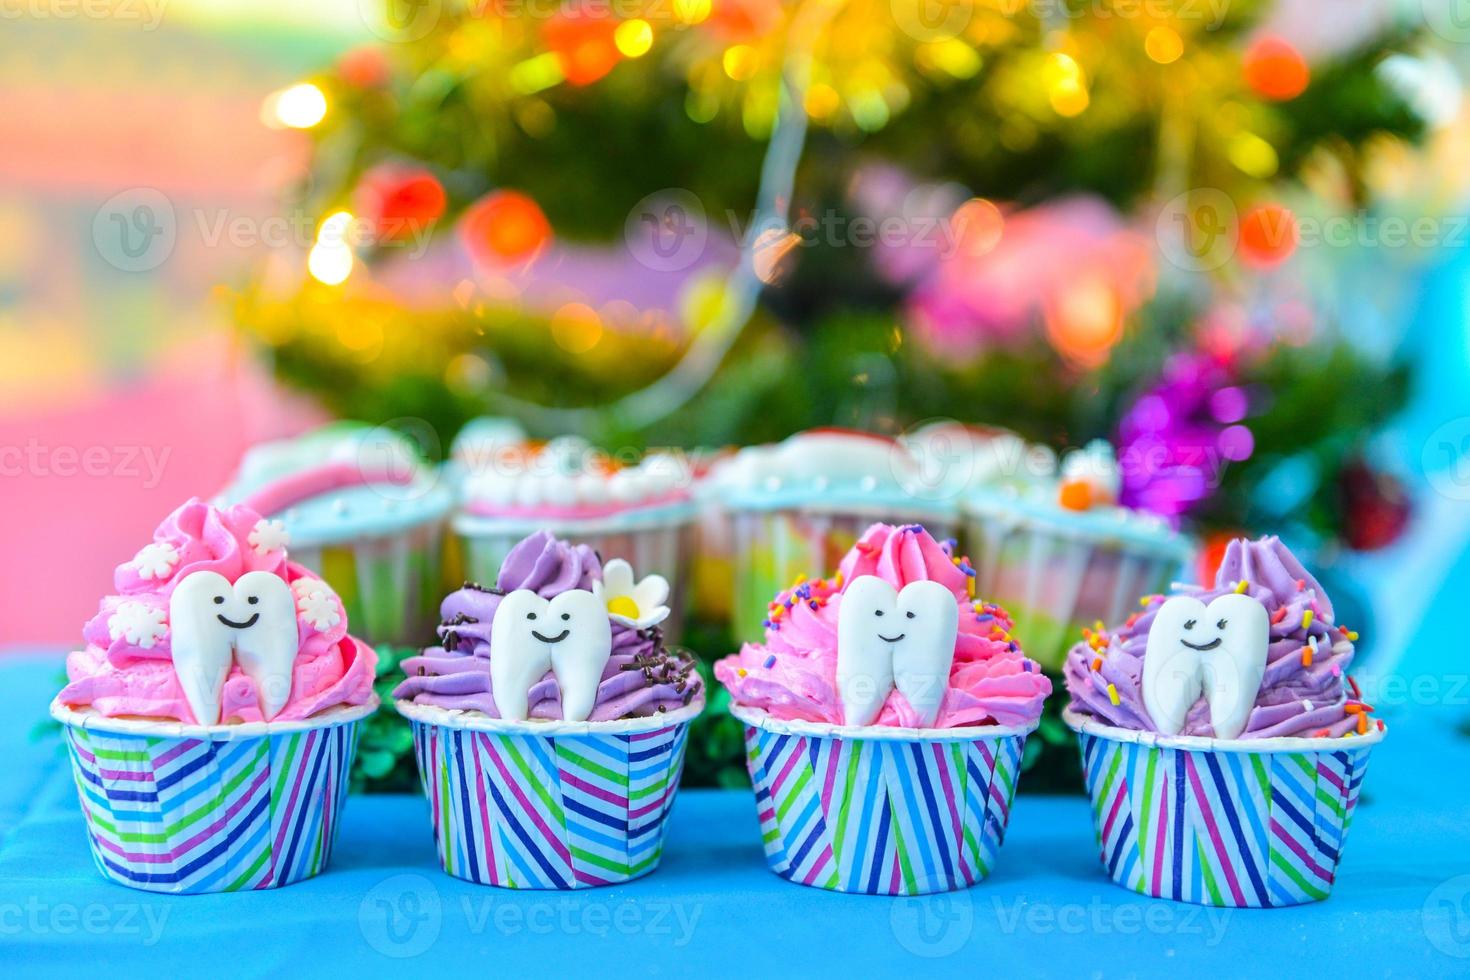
[(201, 645), (581, 657), (516, 660), (887, 638), (1218, 650), (867, 625), (570, 635), (255, 618), (266, 649), (930, 617)]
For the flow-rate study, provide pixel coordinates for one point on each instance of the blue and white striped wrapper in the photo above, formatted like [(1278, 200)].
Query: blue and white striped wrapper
[(549, 805), (1237, 823), (881, 811), (191, 809)]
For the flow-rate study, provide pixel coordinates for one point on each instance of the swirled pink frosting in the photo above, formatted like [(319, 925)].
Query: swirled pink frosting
[(121, 676), (792, 675), (1300, 695)]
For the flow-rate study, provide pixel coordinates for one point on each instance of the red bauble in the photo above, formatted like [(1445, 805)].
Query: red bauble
[(399, 203), (364, 67), (584, 45), (1212, 553), (504, 226), (1268, 235), (1375, 506), (1275, 70)]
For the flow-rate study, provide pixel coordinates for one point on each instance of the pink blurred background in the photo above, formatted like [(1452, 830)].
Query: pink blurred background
[(123, 391)]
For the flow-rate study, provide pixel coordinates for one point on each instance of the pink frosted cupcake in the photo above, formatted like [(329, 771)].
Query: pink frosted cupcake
[(213, 714), (885, 712)]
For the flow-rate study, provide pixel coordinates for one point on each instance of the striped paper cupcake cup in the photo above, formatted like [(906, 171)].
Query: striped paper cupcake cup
[(390, 585), (881, 811), (773, 547), (191, 809), (1237, 823), (652, 544), (548, 805)]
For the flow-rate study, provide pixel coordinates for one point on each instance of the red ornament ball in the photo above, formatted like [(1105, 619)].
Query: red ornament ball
[(504, 226), (1275, 70), (1268, 235), (584, 45), (400, 203), (364, 67)]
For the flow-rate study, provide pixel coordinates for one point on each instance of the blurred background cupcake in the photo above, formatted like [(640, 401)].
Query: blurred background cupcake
[(364, 508), (574, 759), (640, 510), (1223, 743), (796, 507), (213, 715), (886, 710), (1053, 544)]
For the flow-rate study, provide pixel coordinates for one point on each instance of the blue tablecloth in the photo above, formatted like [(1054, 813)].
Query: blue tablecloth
[(1401, 906)]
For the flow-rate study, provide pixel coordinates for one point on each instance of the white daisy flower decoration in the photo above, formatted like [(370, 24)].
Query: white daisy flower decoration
[(640, 604), (156, 560), (140, 624), (317, 603), (269, 536)]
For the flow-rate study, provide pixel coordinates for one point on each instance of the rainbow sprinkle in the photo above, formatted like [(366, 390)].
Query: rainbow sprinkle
[(1307, 619), (1241, 586), (1113, 694), (770, 661)]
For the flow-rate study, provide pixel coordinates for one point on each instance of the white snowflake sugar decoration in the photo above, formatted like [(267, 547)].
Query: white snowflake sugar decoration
[(317, 603), (269, 536), (156, 560), (141, 625)]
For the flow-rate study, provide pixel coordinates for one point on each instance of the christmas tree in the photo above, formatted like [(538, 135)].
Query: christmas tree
[(713, 222)]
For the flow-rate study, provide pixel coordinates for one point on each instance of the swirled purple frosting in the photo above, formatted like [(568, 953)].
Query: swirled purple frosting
[(641, 678), (1303, 693)]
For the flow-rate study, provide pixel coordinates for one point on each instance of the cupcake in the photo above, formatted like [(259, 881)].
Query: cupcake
[(799, 505), (550, 723), (1223, 742), (363, 508), (213, 714), (885, 764), (1056, 548), (640, 512)]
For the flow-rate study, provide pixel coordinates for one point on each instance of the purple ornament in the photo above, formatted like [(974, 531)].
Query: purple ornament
[(1176, 439)]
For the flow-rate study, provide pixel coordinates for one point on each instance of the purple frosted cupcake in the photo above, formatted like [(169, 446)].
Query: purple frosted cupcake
[(1223, 742), (550, 722)]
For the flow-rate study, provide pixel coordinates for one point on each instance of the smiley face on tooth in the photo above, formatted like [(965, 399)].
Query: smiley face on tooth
[(888, 638), (569, 634), (252, 621), (1218, 651)]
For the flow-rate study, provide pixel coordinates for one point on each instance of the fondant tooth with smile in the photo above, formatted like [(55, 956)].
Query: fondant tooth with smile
[(252, 620), (1218, 651), (569, 634), (888, 638)]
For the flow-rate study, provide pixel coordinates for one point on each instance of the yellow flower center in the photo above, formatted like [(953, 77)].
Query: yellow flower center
[(622, 605)]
